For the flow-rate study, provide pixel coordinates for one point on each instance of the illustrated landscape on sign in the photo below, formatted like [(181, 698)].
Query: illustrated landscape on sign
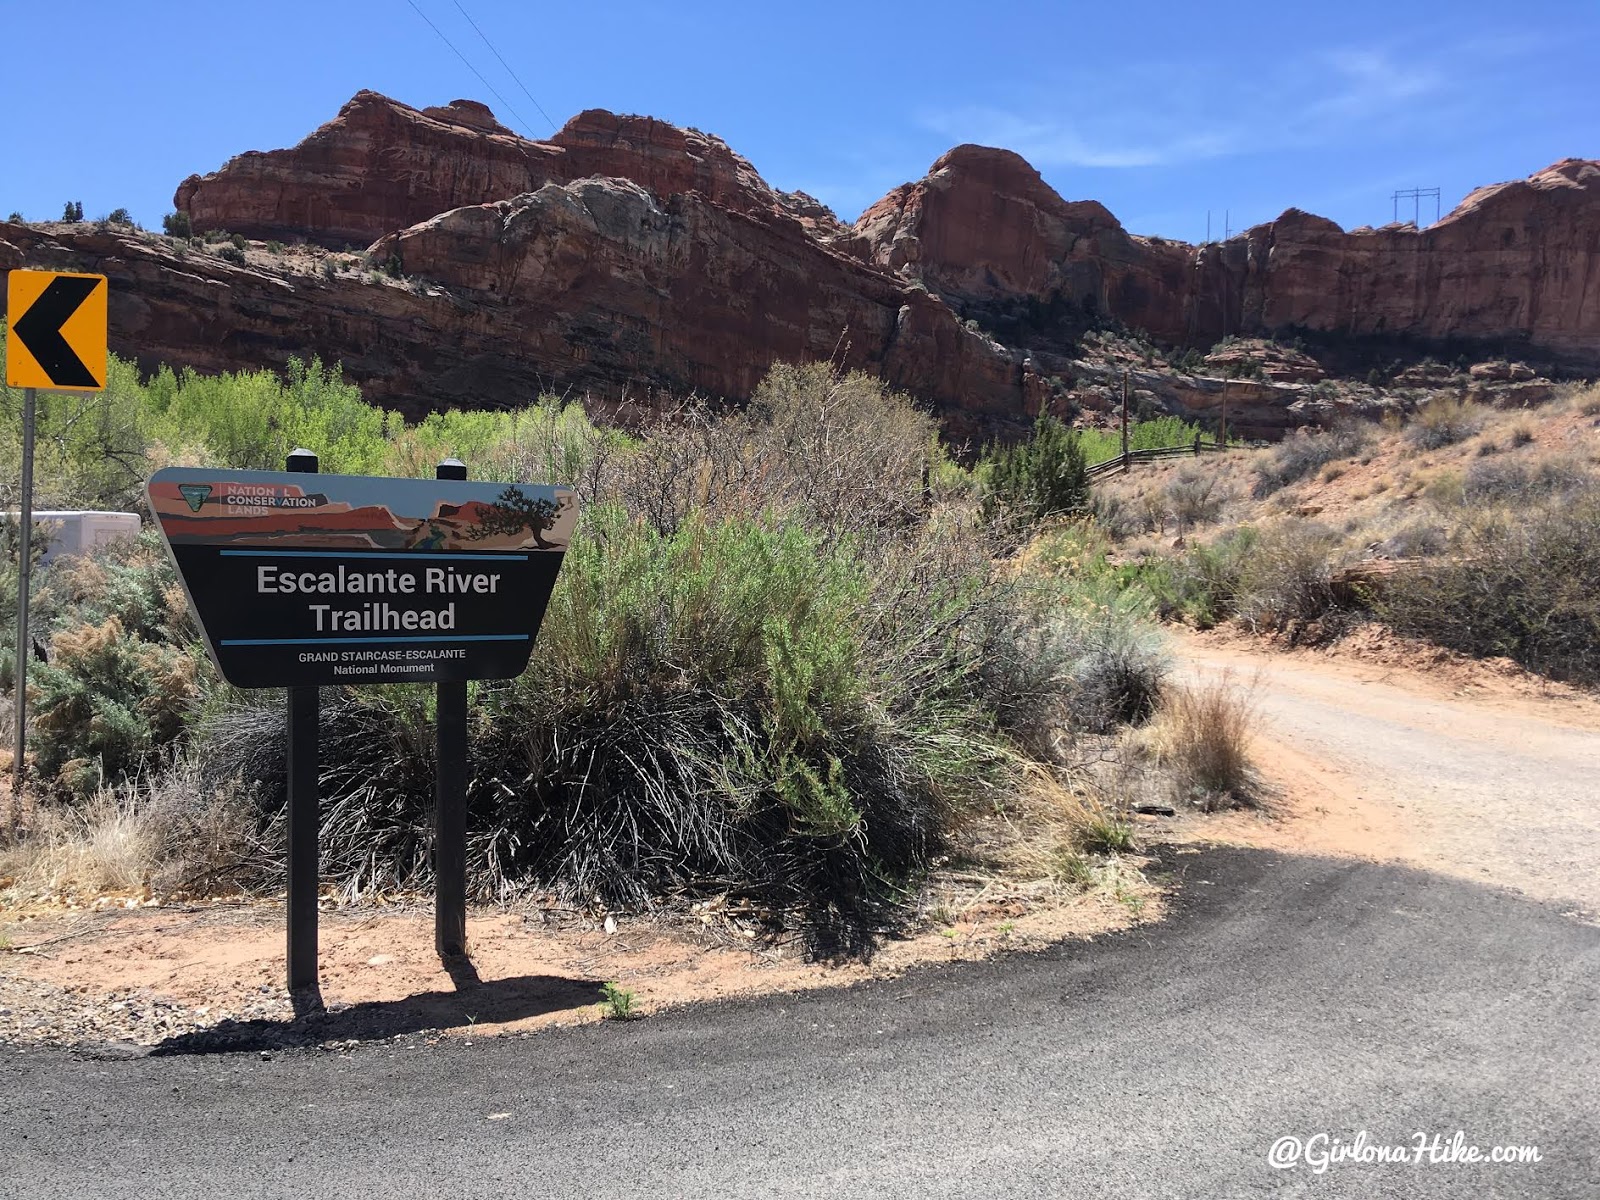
[(226, 512)]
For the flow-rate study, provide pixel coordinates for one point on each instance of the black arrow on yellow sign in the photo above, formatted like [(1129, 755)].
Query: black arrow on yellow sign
[(39, 330)]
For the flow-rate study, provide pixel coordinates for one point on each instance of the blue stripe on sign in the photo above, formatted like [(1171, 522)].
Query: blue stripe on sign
[(412, 556), (471, 637)]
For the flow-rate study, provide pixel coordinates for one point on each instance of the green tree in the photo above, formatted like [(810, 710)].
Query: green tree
[(1045, 476), (177, 224)]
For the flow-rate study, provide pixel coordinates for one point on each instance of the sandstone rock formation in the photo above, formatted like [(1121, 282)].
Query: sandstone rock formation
[(625, 255), (1516, 264)]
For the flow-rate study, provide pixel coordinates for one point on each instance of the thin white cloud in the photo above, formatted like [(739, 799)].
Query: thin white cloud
[(1159, 115)]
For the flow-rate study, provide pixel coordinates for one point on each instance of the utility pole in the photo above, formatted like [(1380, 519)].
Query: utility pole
[(1416, 196), (24, 579)]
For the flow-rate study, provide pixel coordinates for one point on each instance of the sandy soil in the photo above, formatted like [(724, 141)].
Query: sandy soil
[(133, 971), (1475, 770)]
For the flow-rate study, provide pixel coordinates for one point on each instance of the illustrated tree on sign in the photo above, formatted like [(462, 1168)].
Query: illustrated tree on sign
[(512, 512)]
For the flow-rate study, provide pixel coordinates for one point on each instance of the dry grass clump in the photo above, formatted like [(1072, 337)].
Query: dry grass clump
[(1201, 735), (164, 834), (1444, 421), (1586, 400)]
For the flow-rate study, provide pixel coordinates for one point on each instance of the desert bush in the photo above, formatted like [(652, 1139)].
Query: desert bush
[(1194, 497), (1444, 421), (727, 705), (124, 668), (1286, 579), (1517, 480), (1416, 539), (1202, 735), (1303, 452), (1522, 584), (1041, 477), (1204, 584), (1587, 400), (177, 224), (838, 449)]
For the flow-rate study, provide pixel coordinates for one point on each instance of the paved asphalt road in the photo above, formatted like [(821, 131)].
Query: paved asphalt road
[(1285, 997)]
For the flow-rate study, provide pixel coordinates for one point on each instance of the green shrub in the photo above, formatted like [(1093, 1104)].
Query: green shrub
[(1204, 584), (177, 224), (124, 669), (72, 211), (1042, 477), (120, 216), (725, 705), (90, 448), (233, 254)]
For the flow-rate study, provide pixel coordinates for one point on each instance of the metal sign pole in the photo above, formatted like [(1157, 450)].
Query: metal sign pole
[(450, 800), (304, 990), (24, 574)]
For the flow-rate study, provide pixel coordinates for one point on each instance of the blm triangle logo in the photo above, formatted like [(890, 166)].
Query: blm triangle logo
[(195, 494)]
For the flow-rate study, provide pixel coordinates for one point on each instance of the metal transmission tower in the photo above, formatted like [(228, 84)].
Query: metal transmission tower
[(1416, 196)]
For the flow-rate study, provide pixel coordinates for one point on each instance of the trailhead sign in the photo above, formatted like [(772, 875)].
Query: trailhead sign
[(301, 580)]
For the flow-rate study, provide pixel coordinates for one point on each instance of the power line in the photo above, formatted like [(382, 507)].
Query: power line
[(504, 63), (470, 67)]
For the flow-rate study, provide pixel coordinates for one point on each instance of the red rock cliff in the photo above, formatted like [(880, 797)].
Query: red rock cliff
[(1517, 262)]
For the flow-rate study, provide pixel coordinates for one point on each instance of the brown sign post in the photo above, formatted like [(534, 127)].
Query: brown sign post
[(301, 580)]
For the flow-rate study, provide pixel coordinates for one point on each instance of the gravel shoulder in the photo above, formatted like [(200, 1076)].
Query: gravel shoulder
[(1478, 773)]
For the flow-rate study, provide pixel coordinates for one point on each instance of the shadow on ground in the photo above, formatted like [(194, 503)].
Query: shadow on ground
[(473, 1000)]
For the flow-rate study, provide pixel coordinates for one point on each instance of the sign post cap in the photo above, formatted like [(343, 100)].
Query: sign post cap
[(301, 459), (450, 468)]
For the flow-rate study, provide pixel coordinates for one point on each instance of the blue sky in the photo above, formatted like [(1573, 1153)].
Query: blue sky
[(1161, 111)]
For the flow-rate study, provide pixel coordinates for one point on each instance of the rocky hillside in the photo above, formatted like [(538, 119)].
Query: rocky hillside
[(447, 261)]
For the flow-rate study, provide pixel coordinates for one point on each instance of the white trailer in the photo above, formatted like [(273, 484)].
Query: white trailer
[(73, 532)]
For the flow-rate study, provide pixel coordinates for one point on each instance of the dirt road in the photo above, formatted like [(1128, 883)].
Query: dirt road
[(1472, 778)]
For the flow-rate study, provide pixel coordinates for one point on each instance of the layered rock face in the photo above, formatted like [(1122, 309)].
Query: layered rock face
[(380, 166), (1517, 263), (1514, 262), (375, 167), (625, 255), (984, 230)]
